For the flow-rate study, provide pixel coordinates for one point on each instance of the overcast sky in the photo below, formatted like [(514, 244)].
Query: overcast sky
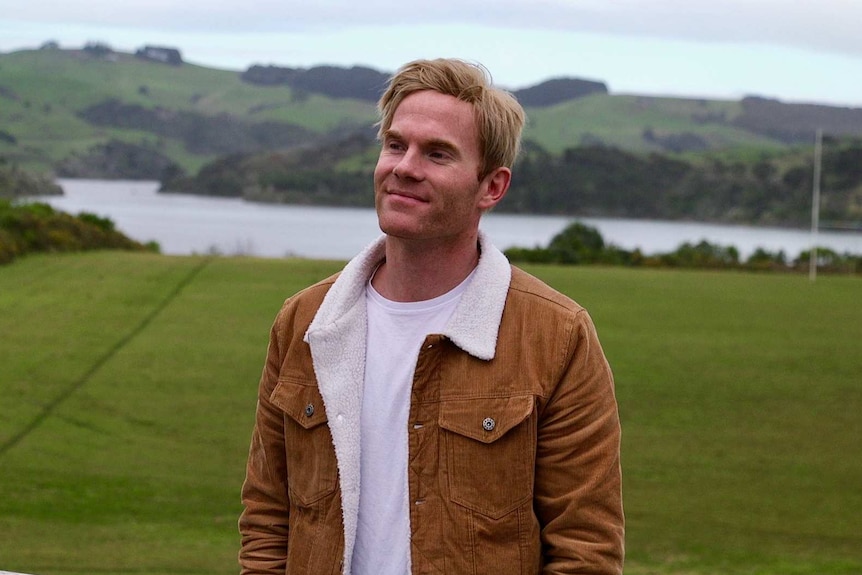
[(793, 50)]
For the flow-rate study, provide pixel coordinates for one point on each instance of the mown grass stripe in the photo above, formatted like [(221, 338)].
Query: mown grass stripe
[(52, 406)]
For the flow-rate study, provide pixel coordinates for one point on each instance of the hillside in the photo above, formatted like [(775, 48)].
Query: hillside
[(99, 113), (57, 107)]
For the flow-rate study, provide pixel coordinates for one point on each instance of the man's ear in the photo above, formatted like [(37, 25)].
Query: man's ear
[(494, 186)]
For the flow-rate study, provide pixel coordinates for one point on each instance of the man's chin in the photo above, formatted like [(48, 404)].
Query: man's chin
[(400, 228)]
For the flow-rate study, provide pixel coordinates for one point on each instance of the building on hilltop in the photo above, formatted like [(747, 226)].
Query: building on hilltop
[(160, 54)]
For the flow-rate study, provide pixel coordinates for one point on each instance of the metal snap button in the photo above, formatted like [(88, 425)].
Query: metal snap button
[(309, 410), (488, 424)]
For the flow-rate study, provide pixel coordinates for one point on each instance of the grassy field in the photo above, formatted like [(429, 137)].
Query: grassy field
[(128, 386)]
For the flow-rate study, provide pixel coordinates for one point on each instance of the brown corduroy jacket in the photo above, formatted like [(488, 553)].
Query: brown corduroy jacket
[(514, 436)]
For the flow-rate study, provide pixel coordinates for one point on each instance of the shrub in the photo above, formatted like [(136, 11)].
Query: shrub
[(102, 223), (762, 259), (578, 243), (37, 227), (702, 255)]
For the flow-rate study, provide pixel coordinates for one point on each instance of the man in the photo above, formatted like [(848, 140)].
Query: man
[(432, 409)]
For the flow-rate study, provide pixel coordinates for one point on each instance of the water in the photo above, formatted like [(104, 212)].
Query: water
[(186, 224)]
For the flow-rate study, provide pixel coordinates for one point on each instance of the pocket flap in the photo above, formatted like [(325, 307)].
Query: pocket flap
[(302, 402), (485, 419)]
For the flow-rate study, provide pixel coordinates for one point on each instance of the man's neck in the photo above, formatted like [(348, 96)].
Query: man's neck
[(414, 271)]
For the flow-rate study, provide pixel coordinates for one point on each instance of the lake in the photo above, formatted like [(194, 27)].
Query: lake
[(187, 224)]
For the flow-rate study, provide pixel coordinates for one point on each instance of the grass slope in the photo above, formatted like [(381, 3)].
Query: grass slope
[(620, 121), (45, 89), (41, 91), (129, 380)]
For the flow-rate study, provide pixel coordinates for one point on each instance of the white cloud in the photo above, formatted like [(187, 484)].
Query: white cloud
[(825, 25)]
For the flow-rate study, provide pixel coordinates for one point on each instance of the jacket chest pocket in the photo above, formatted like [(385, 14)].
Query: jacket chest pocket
[(490, 452), (311, 467)]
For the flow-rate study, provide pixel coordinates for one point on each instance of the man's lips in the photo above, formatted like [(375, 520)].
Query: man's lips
[(405, 195)]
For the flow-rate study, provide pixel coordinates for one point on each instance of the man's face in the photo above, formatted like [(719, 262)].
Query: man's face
[(426, 183)]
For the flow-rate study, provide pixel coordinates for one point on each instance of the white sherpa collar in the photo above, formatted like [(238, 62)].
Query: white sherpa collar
[(476, 321), (349, 287)]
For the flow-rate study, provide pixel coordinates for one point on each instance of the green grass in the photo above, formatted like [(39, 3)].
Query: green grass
[(50, 87), (621, 120), (740, 396), (129, 380)]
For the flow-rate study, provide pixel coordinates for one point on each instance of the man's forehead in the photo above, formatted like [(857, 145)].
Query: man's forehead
[(437, 113)]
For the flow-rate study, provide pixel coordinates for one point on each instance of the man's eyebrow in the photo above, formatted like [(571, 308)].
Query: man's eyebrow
[(444, 145), (390, 133)]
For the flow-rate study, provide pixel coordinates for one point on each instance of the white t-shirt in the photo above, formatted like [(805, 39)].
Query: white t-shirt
[(396, 331)]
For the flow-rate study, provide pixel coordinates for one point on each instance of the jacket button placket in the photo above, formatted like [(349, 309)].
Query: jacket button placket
[(424, 434)]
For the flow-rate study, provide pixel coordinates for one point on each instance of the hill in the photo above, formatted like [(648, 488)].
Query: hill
[(99, 113), (60, 108)]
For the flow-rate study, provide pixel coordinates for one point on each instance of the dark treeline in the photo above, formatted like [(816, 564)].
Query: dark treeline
[(357, 82), (200, 133), (308, 175), (116, 159), (580, 244), (559, 90), (15, 182), (769, 190), (795, 123), (584, 181), (367, 84)]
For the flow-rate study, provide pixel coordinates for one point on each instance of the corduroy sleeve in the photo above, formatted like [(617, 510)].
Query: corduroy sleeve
[(263, 523), (578, 484)]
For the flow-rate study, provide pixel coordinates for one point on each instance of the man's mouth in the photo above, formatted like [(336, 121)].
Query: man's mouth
[(406, 195)]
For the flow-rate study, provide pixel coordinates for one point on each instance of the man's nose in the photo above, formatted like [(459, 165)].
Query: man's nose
[(409, 165)]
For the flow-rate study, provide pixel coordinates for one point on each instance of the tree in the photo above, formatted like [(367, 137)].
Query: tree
[(577, 244)]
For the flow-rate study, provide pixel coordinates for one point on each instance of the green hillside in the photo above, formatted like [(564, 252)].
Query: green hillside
[(129, 382), (42, 93), (57, 103), (622, 121)]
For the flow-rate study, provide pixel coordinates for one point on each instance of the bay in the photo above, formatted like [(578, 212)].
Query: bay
[(189, 224)]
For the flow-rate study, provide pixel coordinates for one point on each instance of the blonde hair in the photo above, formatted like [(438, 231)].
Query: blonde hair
[(499, 117)]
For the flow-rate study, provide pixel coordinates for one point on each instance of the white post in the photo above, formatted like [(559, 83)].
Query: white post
[(815, 206)]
